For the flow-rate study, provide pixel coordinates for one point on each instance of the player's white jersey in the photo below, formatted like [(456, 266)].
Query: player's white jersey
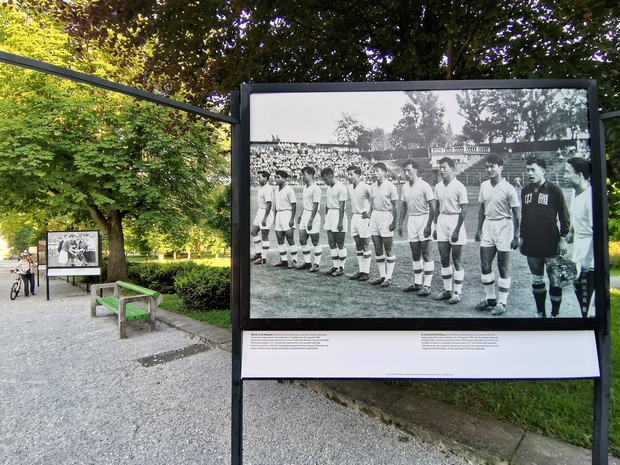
[(285, 198), (417, 197), (265, 194), (311, 195), (451, 197), (498, 200), (336, 194), (383, 195), (360, 197)]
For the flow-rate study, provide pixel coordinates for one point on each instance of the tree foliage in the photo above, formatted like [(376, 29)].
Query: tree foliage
[(218, 213), (350, 131), (471, 107), (210, 47), (67, 148), (523, 114), (207, 48), (422, 122)]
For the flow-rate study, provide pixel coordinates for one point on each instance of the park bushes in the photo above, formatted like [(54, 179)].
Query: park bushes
[(200, 287), (157, 276), (204, 288), (614, 255)]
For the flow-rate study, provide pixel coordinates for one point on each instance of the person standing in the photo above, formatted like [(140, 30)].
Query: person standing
[(24, 271), (310, 221), (359, 195), (577, 174), (498, 234), (419, 205), (263, 220), (286, 205), (335, 221), (543, 207), (383, 216), (63, 250), (452, 202), (30, 274)]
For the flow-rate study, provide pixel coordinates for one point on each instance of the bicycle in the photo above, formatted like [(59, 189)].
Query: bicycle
[(16, 288)]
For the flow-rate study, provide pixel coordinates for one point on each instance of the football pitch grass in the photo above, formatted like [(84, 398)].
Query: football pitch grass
[(289, 293)]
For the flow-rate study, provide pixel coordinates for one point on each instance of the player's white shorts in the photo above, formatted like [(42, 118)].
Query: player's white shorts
[(360, 226), (380, 222), (258, 220), (445, 227), (316, 223), (331, 221), (415, 228), (498, 234), (282, 221)]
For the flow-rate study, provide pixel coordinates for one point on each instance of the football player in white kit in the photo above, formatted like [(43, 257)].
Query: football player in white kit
[(309, 221), (577, 175), (452, 202), (418, 204), (335, 221), (286, 205), (498, 234), (359, 196), (263, 219), (383, 217)]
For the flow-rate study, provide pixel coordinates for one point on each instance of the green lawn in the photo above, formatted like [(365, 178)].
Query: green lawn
[(207, 259), (219, 318)]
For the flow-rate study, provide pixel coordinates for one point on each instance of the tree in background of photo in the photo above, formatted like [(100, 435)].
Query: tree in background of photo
[(422, 122)]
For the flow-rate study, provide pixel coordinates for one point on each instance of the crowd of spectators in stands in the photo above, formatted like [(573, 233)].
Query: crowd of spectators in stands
[(292, 157)]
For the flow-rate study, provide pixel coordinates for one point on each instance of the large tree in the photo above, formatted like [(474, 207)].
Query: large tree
[(422, 122), (504, 107), (67, 148), (60, 152), (472, 105)]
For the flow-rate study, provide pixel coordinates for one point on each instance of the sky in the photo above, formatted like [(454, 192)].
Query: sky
[(312, 116)]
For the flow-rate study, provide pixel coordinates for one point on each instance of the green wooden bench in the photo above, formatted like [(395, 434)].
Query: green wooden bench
[(128, 314)]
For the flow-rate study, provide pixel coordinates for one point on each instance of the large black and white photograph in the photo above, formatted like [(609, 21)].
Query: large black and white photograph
[(473, 203), (73, 249)]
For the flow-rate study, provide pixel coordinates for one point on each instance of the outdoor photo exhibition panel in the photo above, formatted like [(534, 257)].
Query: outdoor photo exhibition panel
[(532, 214), (73, 253)]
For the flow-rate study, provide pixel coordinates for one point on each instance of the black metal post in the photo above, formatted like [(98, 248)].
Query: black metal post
[(237, 382), (600, 433)]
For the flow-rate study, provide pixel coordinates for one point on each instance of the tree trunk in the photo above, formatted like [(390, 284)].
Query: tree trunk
[(117, 262), (112, 224)]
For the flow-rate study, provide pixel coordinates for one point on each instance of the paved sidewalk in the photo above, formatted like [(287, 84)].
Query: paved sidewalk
[(473, 437), (71, 393)]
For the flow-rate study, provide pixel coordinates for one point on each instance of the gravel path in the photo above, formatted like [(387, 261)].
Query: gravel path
[(71, 393)]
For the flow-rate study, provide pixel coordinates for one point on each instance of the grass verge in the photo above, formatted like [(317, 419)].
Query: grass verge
[(561, 409), (219, 318)]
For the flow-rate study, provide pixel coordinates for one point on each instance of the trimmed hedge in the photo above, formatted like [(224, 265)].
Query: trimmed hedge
[(204, 288), (158, 276)]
